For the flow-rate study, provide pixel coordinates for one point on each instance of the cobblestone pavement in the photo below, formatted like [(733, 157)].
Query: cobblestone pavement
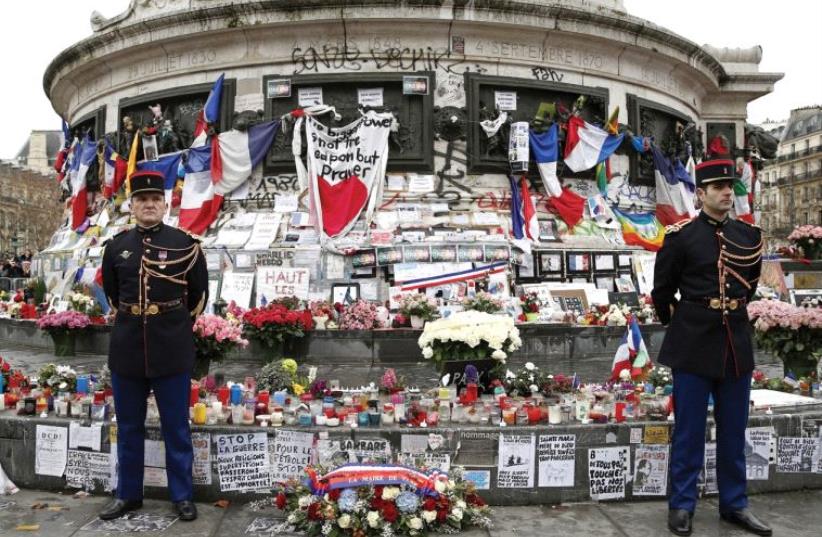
[(797, 514)]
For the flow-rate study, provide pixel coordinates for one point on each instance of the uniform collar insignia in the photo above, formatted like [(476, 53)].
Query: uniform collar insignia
[(152, 229), (125, 254), (711, 220)]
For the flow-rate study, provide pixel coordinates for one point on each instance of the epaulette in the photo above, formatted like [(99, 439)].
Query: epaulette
[(108, 240), (192, 236), (749, 224), (677, 226)]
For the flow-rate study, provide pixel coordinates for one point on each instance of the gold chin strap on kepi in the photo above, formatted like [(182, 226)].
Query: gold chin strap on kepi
[(147, 269)]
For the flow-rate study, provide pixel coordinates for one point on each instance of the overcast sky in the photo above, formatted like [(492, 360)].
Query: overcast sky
[(33, 32)]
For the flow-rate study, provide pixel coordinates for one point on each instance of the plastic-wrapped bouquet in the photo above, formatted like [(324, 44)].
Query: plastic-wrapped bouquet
[(361, 315), (275, 324), (57, 377), (482, 301), (417, 305), (469, 335)]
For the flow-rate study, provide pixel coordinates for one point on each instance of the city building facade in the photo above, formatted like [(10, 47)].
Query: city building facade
[(30, 210), (792, 182)]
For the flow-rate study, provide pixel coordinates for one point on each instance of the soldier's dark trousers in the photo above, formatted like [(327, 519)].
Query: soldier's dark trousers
[(731, 400), (172, 396)]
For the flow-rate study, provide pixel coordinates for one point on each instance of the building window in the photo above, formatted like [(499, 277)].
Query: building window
[(410, 150)]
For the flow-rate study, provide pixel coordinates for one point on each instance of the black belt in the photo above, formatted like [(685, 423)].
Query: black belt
[(715, 303), (152, 308)]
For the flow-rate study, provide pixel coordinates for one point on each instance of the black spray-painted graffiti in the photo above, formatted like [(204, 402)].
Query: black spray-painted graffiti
[(352, 59), (262, 192), (544, 73)]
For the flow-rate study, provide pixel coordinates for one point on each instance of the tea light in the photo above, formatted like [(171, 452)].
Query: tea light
[(332, 422), (509, 415), (320, 419), (554, 414), (263, 419)]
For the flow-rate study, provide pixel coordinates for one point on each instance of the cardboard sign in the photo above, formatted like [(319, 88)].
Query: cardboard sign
[(280, 282)]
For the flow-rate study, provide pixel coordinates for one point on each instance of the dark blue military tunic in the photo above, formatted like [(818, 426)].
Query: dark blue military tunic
[(157, 280), (715, 267)]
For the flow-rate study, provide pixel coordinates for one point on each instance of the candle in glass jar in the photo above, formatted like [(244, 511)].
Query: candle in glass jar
[(194, 395), (223, 394), (554, 414), (199, 414)]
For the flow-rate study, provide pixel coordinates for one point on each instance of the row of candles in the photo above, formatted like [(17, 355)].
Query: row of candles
[(242, 404), (238, 406)]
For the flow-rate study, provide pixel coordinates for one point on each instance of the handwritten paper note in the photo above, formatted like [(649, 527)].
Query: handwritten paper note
[(85, 437), (608, 471), (86, 470), (556, 456), (515, 466), (795, 454), (242, 461), (237, 286), (51, 445), (264, 231), (290, 453), (278, 282)]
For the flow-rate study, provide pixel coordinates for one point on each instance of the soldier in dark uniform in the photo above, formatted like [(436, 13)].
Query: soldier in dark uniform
[(155, 278), (714, 263)]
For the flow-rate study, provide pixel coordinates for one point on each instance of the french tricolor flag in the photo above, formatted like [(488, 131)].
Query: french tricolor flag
[(197, 210), (84, 155), (631, 354), (216, 169), (674, 200), (545, 148), (210, 112), (587, 145), (524, 222), (115, 171), (234, 154)]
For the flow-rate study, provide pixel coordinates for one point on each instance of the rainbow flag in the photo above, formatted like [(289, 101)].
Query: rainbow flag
[(641, 229)]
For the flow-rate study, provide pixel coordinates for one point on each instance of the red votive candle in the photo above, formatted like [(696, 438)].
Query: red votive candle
[(223, 394), (195, 395)]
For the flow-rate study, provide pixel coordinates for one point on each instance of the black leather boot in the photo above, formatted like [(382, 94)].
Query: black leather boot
[(117, 508), (679, 521)]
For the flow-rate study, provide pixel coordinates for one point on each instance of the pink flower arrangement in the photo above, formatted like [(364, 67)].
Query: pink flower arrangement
[(220, 329), (768, 314), (214, 337), (361, 315), (64, 320), (792, 333)]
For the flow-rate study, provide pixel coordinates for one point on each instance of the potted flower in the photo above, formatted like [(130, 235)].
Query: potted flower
[(60, 378), (807, 240), (482, 301), (214, 337), (418, 307), (361, 315), (321, 312), (791, 333), (275, 326), (277, 375), (469, 336), (63, 327), (390, 383), (530, 306)]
